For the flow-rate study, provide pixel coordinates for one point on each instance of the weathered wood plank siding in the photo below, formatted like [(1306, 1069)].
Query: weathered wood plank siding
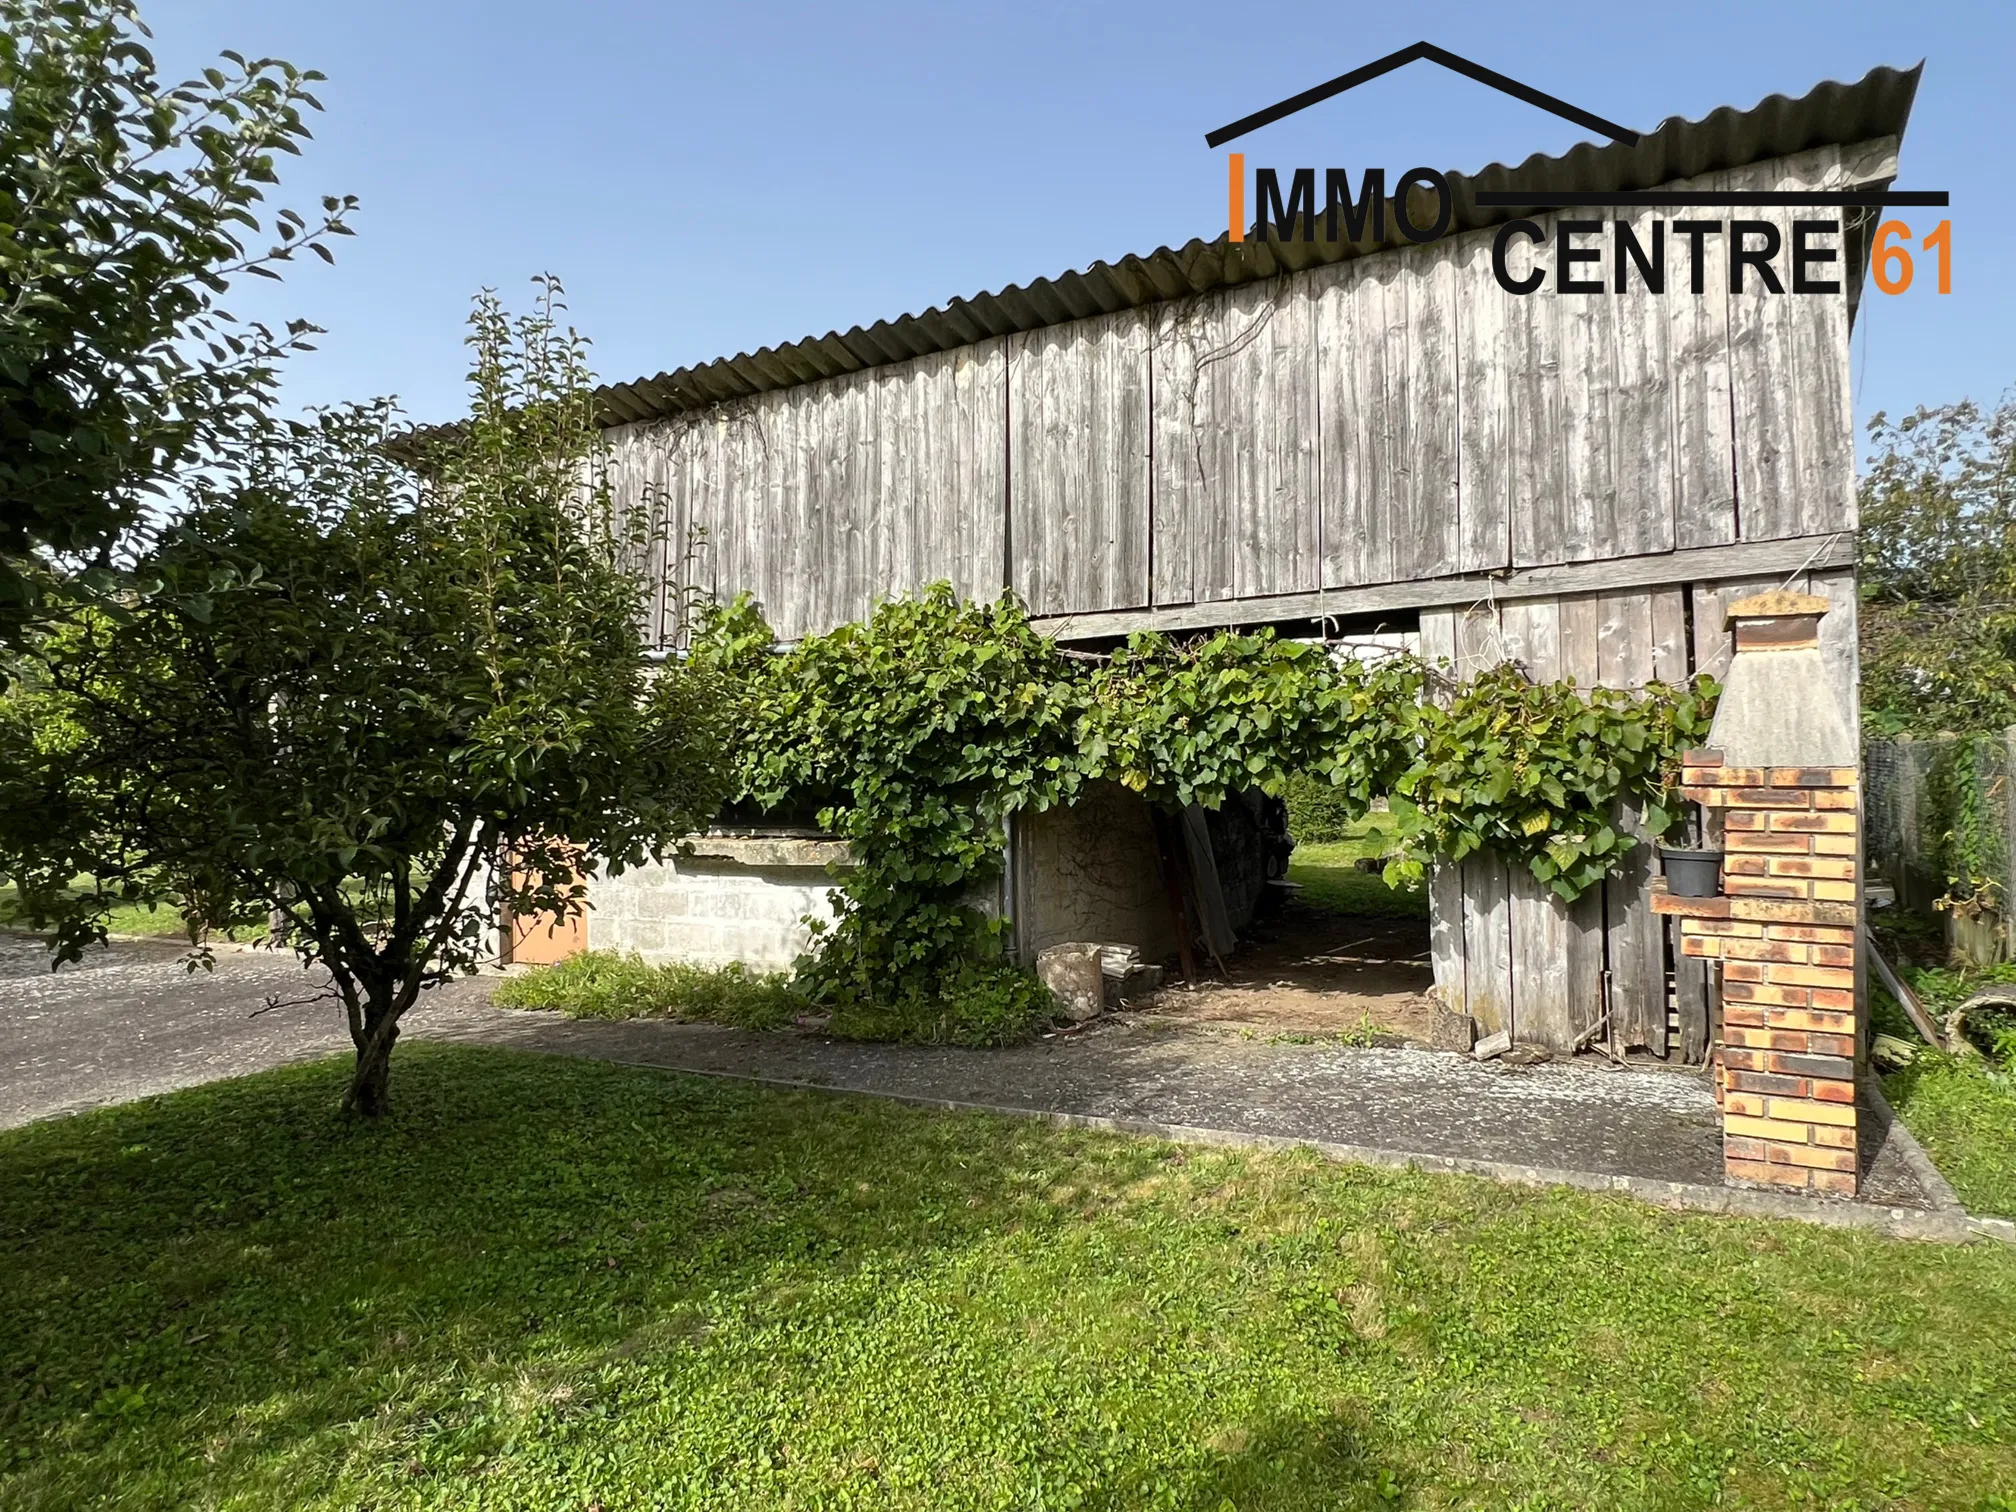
[(945, 456), (1502, 946), (1237, 479), (1387, 383), (1642, 637), (1703, 418), (1445, 883), (1078, 464), (1393, 419), (819, 499), (1488, 331), (1482, 983), (1792, 400), (1557, 947)]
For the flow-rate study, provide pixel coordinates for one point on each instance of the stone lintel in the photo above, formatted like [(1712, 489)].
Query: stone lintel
[(1779, 603), (768, 850)]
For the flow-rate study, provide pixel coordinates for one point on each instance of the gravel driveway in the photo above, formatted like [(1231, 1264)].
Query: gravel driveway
[(129, 1021)]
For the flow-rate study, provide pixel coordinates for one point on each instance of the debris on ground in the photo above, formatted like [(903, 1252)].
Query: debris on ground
[(1493, 1045), (1890, 1052)]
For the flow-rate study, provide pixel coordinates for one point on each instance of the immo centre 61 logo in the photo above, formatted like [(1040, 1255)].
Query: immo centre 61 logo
[(1808, 261)]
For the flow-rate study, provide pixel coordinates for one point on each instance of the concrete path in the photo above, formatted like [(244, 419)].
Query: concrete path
[(131, 1022), (1658, 1125), (1639, 1130)]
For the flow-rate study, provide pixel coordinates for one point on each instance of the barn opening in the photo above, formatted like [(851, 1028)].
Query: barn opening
[(1330, 949), (1291, 925)]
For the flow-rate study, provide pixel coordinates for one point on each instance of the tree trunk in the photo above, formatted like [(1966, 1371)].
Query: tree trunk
[(369, 1085)]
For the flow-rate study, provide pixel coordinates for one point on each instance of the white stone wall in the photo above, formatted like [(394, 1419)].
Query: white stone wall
[(737, 900), (1084, 873)]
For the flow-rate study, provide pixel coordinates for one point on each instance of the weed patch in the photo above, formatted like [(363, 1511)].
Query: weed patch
[(601, 984)]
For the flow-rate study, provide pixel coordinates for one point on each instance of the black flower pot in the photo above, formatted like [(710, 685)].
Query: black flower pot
[(1692, 873)]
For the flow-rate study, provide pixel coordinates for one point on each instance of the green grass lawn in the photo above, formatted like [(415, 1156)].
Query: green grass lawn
[(1327, 873), (1961, 1108), (127, 919), (547, 1284)]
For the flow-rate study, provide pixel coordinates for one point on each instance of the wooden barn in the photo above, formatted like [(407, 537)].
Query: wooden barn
[(1312, 433)]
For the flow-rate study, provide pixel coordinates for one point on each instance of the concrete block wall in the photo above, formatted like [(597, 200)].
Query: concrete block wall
[(1091, 872), (736, 899), (1087, 872)]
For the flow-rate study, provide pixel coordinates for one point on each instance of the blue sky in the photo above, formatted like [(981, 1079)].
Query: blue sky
[(713, 179)]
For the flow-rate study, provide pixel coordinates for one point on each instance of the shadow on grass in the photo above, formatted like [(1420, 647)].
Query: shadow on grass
[(1277, 1469), (538, 1265), (547, 1283)]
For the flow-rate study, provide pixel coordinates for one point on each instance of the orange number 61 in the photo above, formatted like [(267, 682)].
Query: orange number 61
[(1886, 253)]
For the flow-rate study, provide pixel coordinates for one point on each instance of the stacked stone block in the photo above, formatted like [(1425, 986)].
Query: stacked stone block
[(733, 899), (1784, 935)]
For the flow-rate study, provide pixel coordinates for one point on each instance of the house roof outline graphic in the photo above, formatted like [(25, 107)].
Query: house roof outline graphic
[(1420, 52)]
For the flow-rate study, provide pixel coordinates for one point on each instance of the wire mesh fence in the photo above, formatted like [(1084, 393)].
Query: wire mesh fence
[(1940, 827)]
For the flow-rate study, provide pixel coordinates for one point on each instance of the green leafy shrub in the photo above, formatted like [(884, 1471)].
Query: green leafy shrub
[(1534, 773), (1990, 1029), (929, 724), (600, 984), (924, 729), (1938, 536), (980, 1005), (1962, 1107), (1967, 805), (1317, 812)]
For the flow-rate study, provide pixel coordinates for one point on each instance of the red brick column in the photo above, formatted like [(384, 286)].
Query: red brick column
[(1784, 934)]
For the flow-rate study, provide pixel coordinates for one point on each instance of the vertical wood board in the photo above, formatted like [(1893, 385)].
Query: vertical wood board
[(1445, 883), (1235, 446), (1387, 356), (1078, 444), (1793, 400), (1486, 882), (1644, 440), (1556, 946), (1704, 449), (942, 440), (1544, 527), (1487, 495), (1642, 639)]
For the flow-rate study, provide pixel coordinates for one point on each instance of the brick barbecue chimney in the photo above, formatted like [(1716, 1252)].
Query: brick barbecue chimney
[(1780, 780)]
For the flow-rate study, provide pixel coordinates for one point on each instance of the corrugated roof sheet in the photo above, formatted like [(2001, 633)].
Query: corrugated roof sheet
[(1828, 115)]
